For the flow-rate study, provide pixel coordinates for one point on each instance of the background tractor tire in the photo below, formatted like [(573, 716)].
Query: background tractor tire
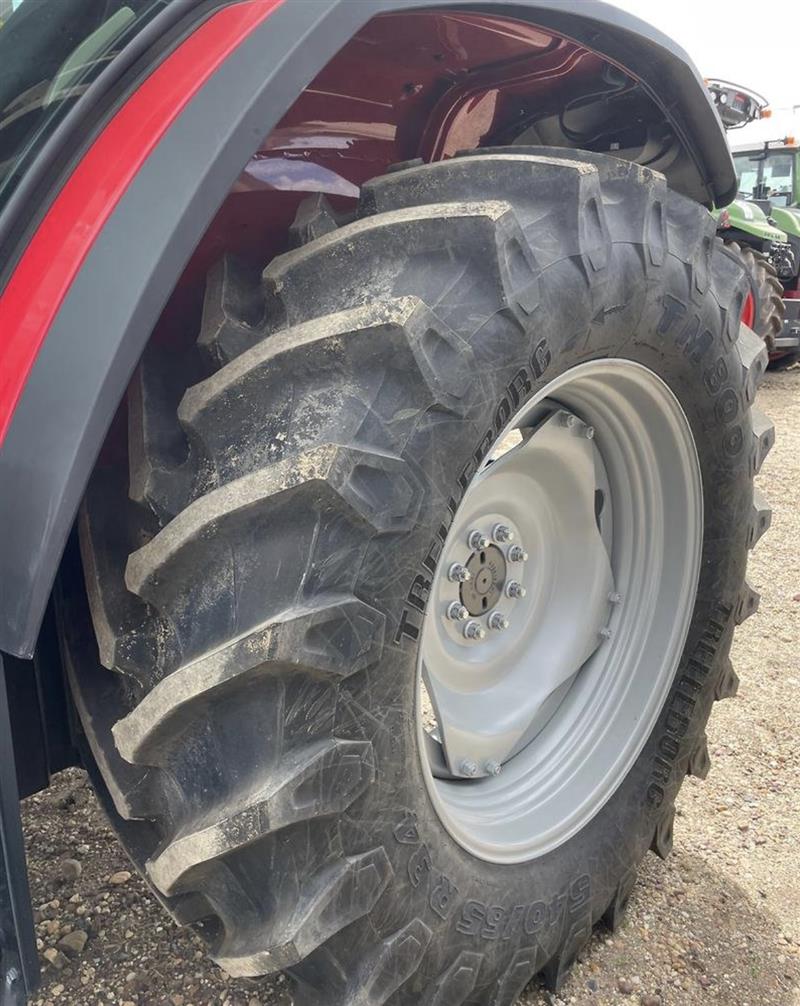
[(766, 290), (255, 571)]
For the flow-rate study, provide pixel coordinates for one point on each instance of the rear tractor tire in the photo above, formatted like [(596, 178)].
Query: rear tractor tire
[(763, 310), (333, 734)]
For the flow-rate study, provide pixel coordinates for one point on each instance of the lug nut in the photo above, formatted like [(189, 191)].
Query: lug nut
[(570, 421), (474, 630), (468, 768), (458, 573), (614, 597), (497, 620), (588, 432), (514, 589), (493, 768), (606, 633), (477, 540), (502, 533), (457, 612), (517, 554)]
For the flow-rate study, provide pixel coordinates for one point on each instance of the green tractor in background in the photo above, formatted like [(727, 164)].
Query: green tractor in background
[(769, 175), (762, 226)]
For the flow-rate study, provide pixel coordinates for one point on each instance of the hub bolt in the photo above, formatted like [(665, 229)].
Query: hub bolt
[(605, 632), (514, 589), (502, 533), (517, 554), (459, 573), (614, 597), (570, 421), (588, 432), (497, 620), (457, 612), (468, 768), (474, 630), (477, 540), (493, 768)]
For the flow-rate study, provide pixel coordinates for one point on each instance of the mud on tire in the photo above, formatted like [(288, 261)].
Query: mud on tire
[(256, 579)]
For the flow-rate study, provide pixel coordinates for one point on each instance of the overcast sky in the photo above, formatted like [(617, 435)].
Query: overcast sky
[(725, 42)]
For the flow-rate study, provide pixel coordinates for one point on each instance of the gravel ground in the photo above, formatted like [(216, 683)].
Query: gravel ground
[(717, 924)]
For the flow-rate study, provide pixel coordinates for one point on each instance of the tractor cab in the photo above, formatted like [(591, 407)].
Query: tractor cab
[(769, 174)]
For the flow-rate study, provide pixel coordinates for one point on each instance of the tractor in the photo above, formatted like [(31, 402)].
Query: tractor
[(377, 445), (762, 225), (769, 175)]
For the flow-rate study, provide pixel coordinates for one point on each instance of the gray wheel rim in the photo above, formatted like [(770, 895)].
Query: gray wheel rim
[(534, 702)]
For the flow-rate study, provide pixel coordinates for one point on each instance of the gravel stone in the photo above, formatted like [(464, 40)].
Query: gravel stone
[(55, 958), (69, 870), (74, 943)]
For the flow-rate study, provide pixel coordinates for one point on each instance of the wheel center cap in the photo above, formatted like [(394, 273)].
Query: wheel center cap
[(484, 589)]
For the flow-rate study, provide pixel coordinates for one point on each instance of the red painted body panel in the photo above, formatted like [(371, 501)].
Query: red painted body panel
[(54, 255)]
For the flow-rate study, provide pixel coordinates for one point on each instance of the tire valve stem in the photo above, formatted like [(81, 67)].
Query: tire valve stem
[(458, 573), (515, 589), (502, 533), (497, 620), (605, 632), (493, 768), (468, 768), (517, 554), (474, 630), (457, 612), (477, 540)]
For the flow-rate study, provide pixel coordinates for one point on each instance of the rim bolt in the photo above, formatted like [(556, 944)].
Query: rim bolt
[(514, 589), (493, 768), (474, 630), (457, 612), (588, 432), (458, 573), (477, 540), (497, 620), (502, 533), (517, 554), (614, 597), (606, 633), (468, 768)]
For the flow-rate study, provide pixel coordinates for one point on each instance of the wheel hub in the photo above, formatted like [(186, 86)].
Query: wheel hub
[(527, 523), (559, 608), (483, 590)]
